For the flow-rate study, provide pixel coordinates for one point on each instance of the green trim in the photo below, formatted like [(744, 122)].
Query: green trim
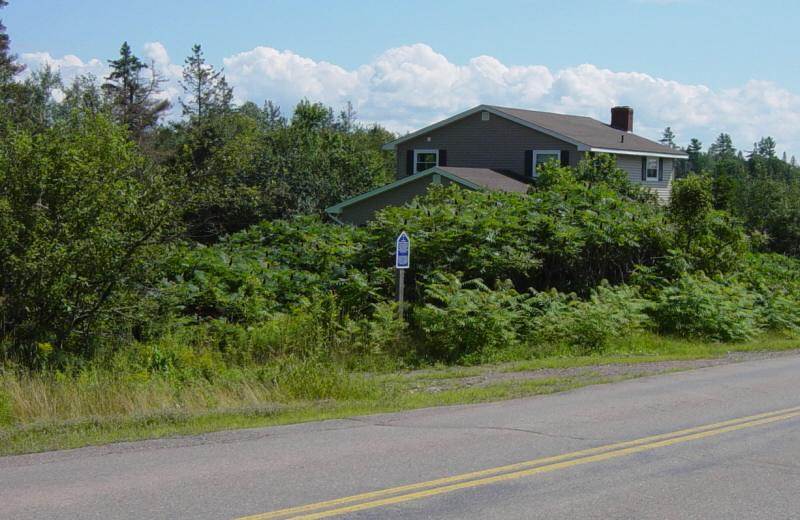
[(336, 209)]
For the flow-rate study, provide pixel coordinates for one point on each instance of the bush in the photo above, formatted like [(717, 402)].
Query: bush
[(586, 326), (569, 235), (697, 306), (776, 281), (466, 321)]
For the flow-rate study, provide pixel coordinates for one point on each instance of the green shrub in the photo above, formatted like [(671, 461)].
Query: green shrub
[(776, 281), (698, 306), (464, 321), (586, 326)]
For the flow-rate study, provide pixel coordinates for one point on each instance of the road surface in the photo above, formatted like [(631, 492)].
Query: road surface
[(720, 442)]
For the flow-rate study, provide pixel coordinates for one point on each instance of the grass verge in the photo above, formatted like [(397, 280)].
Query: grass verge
[(39, 413)]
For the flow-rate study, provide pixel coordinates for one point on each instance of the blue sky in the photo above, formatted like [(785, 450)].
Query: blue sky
[(706, 57)]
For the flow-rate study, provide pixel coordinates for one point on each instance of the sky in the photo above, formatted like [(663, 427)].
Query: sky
[(700, 66)]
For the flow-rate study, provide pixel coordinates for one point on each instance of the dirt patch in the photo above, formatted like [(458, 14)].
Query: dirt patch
[(602, 371)]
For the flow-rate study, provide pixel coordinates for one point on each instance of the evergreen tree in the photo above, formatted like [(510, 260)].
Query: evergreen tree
[(133, 97), (695, 153), (206, 89), (668, 138), (766, 147), (722, 147)]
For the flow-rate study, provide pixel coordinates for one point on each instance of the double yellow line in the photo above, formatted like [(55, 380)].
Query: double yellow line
[(400, 494)]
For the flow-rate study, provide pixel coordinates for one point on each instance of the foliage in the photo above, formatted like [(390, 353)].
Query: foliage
[(698, 306), (81, 213), (710, 240), (133, 97), (569, 233), (206, 89), (586, 326), (465, 321)]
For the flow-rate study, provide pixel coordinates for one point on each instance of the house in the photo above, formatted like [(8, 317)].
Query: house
[(497, 148)]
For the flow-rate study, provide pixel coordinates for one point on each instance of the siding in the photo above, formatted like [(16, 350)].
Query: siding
[(633, 165), (362, 211), (497, 143)]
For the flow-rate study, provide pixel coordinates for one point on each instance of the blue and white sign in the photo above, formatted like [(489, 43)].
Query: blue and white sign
[(402, 255)]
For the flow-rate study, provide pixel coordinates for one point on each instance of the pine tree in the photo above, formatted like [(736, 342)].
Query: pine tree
[(133, 97), (722, 147), (695, 153), (766, 147), (206, 89), (668, 138)]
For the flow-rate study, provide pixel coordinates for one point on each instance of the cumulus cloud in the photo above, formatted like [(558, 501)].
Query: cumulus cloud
[(407, 87), (69, 65)]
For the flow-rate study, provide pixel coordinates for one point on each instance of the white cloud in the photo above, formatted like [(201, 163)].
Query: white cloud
[(407, 87), (69, 65)]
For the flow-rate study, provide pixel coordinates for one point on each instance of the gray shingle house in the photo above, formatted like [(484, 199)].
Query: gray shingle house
[(497, 148)]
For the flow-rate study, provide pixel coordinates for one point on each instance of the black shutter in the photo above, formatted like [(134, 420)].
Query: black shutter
[(409, 162), (564, 157), (529, 163), (661, 169), (442, 157), (644, 168)]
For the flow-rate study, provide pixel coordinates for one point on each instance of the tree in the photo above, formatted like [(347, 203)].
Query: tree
[(206, 89), (133, 97), (766, 147), (695, 153), (272, 115), (668, 138), (722, 147), (82, 215), (347, 118), (84, 95), (312, 116)]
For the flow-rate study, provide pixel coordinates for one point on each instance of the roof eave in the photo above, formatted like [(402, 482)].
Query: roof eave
[(639, 153)]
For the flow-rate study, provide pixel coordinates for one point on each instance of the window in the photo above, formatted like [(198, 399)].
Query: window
[(424, 159), (651, 173), (541, 157)]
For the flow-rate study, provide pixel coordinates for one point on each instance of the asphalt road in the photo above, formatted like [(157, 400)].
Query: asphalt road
[(720, 442)]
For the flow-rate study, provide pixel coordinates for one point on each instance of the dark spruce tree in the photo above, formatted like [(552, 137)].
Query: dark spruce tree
[(133, 96)]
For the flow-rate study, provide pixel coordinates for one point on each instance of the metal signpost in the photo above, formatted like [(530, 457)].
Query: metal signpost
[(402, 261)]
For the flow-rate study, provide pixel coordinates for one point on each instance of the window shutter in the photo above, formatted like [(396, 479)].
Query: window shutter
[(442, 157), (564, 157), (644, 168), (409, 162), (529, 163), (661, 169)]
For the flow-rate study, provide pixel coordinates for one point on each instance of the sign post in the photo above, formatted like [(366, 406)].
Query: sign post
[(402, 261)]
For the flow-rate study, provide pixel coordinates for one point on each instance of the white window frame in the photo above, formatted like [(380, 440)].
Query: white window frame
[(647, 176), (417, 152), (557, 153)]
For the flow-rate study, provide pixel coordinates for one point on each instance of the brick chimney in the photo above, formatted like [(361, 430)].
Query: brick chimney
[(622, 118)]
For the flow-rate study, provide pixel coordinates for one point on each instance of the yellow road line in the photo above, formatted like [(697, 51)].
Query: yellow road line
[(536, 466)]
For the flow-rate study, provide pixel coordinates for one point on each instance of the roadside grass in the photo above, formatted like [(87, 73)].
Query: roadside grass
[(55, 411)]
